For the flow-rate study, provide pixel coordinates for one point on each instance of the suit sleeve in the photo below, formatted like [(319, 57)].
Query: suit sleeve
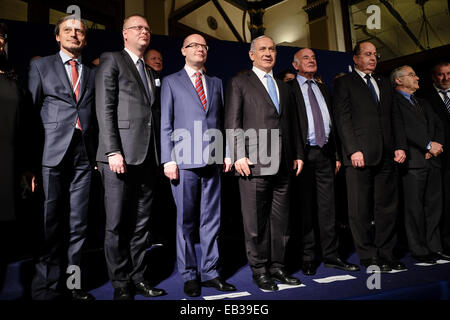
[(167, 118), (400, 141), (439, 132), (296, 133), (343, 118), (35, 85), (233, 120), (106, 100)]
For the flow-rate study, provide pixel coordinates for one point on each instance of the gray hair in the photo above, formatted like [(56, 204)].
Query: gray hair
[(397, 73), (253, 43), (70, 17)]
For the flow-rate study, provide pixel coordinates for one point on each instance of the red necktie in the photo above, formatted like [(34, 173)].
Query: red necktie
[(199, 88), (75, 82)]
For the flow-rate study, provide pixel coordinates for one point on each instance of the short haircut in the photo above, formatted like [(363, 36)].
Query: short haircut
[(70, 17), (439, 63), (357, 48), (253, 43), (132, 16), (397, 73)]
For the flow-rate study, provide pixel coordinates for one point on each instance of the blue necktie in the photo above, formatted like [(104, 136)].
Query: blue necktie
[(446, 99), (319, 127), (371, 87), (272, 91), (144, 78)]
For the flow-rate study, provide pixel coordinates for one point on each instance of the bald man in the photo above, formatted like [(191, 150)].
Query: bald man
[(313, 103)]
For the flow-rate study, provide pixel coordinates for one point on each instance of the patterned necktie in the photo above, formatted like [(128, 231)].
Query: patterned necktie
[(75, 86), (416, 103), (371, 87), (319, 127), (272, 91), (199, 88), (446, 99), (141, 70)]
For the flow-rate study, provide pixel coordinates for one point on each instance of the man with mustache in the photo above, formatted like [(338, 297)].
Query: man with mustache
[(127, 158), (255, 102), (421, 175), (373, 140), (316, 183)]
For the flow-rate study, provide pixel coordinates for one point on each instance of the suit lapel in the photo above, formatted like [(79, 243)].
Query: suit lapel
[(62, 74), (359, 82), (411, 108), (210, 90), (190, 88), (84, 80), (133, 69), (301, 102), (254, 80)]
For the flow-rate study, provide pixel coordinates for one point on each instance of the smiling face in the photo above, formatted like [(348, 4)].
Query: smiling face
[(194, 50), (305, 63), (154, 59), (264, 54), (134, 39), (72, 37), (366, 60)]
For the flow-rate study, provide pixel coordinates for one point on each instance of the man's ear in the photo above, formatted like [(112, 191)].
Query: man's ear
[(251, 54)]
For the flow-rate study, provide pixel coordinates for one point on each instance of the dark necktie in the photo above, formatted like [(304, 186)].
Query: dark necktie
[(371, 87), (199, 88), (446, 99), (75, 86), (319, 127), (141, 70), (416, 103)]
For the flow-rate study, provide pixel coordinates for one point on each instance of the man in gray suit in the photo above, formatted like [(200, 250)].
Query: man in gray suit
[(127, 157)]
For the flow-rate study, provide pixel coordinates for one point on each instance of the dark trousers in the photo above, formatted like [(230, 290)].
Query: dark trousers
[(128, 201), (373, 196), (423, 207), (198, 190), (265, 213), (66, 188), (317, 204), (445, 221)]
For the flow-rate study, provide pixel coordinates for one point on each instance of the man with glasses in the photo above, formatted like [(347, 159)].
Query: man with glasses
[(189, 98), (127, 158), (373, 140), (62, 89), (421, 174)]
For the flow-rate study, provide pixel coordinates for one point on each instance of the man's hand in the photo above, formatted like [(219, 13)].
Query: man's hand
[(357, 159), (29, 179), (436, 148), (338, 166), (117, 163), (171, 171), (399, 156), (298, 164), (428, 156), (227, 165), (242, 166)]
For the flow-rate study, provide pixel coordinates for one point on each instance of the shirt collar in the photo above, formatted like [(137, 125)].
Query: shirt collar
[(362, 74), (439, 90), (405, 94), (190, 71), (134, 57), (260, 73), (65, 58), (301, 80)]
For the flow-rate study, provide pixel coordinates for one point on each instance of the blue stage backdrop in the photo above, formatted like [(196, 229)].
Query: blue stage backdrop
[(225, 58)]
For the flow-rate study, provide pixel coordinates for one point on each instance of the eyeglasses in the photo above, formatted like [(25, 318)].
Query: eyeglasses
[(368, 54), (197, 45), (140, 28), (412, 75)]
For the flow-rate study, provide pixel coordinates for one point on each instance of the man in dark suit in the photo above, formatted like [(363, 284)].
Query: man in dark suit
[(313, 104), (422, 173), (62, 87), (439, 98), (373, 140), (127, 158), (191, 101), (260, 120)]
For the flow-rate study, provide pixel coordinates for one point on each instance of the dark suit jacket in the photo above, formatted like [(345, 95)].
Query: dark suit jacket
[(52, 93), (248, 106), (439, 108), (362, 124), (124, 111), (420, 129), (303, 117)]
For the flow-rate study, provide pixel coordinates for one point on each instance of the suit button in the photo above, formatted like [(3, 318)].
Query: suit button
[(149, 124)]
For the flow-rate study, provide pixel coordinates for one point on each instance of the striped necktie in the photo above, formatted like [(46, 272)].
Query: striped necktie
[(75, 86), (199, 88), (446, 99)]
